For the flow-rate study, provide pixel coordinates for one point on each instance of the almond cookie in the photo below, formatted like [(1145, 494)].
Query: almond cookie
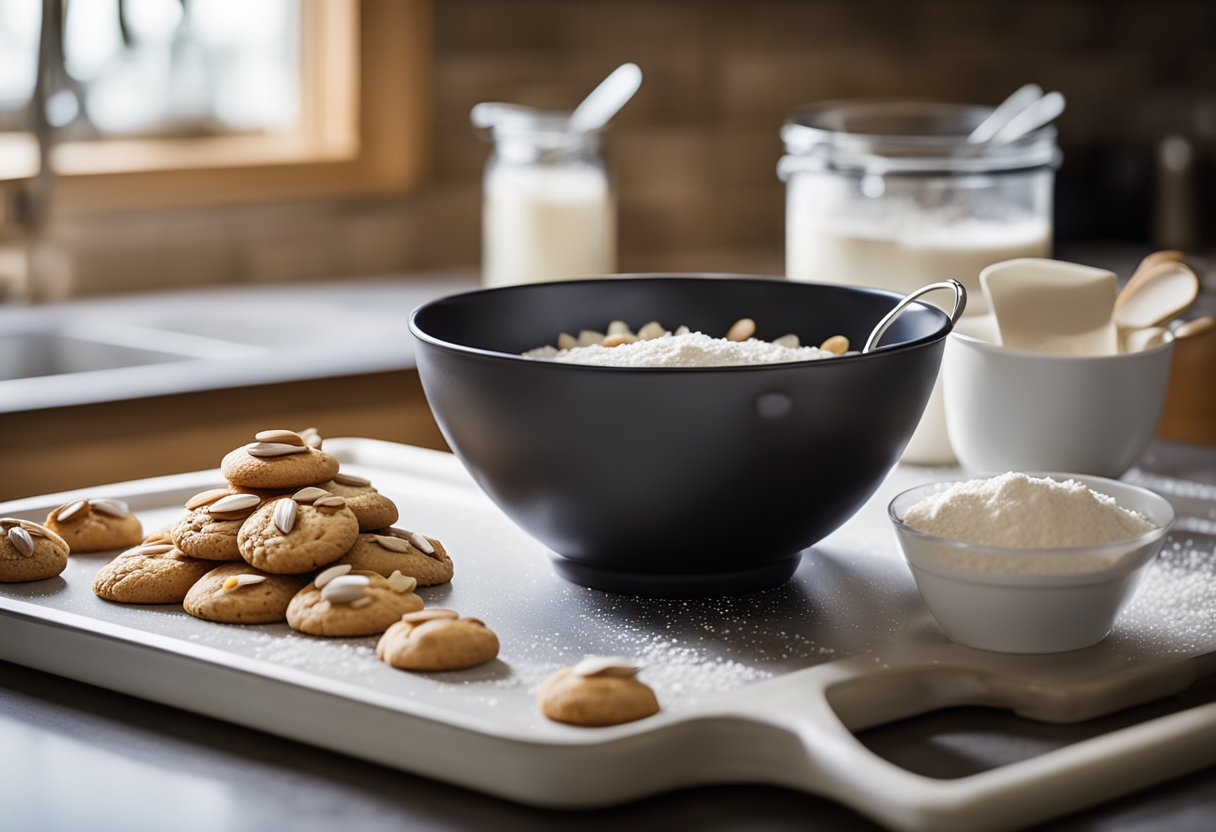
[(209, 531), (236, 593), (435, 640), (278, 459), (95, 525), (30, 552), (342, 602), (391, 550), (298, 534), (151, 573), (371, 508), (597, 692)]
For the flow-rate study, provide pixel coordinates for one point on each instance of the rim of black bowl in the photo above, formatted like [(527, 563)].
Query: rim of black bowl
[(940, 334)]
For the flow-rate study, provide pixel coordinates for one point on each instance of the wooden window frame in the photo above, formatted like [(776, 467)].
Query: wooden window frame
[(365, 128)]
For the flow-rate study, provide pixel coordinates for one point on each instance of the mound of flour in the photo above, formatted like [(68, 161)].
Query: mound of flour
[(1023, 512), (692, 349)]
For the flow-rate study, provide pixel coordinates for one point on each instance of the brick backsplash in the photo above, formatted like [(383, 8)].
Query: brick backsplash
[(694, 154)]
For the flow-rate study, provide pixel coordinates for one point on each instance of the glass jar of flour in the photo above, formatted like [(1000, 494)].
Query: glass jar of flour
[(548, 211), (891, 195)]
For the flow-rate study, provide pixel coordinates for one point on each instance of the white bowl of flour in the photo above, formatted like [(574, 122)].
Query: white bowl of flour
[(1029, 563)]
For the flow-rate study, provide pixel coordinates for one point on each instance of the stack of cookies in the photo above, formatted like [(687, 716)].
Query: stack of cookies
[(290, 538)]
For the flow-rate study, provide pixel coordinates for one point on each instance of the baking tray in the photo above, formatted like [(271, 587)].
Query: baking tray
[(766, 688)]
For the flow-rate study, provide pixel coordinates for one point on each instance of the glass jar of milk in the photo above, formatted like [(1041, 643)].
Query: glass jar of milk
[(548, 211), (891, 195)]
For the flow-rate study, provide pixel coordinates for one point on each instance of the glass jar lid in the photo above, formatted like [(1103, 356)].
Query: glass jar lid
[(905, 137), (522, 131)]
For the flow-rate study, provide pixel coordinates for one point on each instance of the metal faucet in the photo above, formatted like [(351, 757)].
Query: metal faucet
[(44, 276)]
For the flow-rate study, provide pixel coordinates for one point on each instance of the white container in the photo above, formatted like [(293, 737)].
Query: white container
[(1008, 410), (890, 195), (548, 211), (1031, 600)]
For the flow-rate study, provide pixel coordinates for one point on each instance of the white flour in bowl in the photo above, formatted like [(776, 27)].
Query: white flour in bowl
[(1023, 512), (692, 349)]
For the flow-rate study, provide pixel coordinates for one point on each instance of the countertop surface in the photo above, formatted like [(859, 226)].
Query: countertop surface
[(78, 757)]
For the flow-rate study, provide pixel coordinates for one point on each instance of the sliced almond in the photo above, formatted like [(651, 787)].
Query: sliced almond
[(113, 508), (791, 340), (280, 436), (350, 580), (359, 603), (21, 541), (604, 666), (589, 338), (284, 517), (393, 544), (401, 583), (619, 328), (311, 437), (741, 330), (154, 548), (428, 615), (618, 340), (332, 501), (351, 480), (307, 495), (204, 498), (238, 581), (234, 504), (70, 510), (566, 341), (269, 450), (345, 589), (421, 543), (654, 329), (837, 345), (327, 575), (34, 529)]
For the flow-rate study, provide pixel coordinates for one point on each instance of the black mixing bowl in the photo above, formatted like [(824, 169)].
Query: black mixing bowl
[(676, 481)]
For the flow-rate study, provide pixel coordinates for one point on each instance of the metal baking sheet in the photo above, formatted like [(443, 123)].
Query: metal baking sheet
[(760, 688)]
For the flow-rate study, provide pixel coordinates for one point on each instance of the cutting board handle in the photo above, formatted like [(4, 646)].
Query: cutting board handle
[(1013, 796)]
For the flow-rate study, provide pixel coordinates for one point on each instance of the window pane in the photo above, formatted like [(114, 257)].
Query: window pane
[(159, 67)]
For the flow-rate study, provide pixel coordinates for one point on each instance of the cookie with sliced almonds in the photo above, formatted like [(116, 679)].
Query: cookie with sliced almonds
[(345, 602), (596, 692), (209, 529), (29, 551), (371, 508), (95, 525), (297, 534), (437, 640), (150, 573), (236, 593), (277, 459), (392, 550)]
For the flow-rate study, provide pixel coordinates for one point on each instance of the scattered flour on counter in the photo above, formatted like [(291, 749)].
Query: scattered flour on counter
[(1174, 610), (693, 349), (1022, 512)]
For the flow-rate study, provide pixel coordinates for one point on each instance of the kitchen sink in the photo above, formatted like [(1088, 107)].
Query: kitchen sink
[(38, 354), (123, 348), (90, 347)]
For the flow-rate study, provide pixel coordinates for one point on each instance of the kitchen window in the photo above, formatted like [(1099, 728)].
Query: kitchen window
[(238, 101)]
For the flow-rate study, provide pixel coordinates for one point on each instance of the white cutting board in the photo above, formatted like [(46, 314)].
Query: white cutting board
[(763, 688)]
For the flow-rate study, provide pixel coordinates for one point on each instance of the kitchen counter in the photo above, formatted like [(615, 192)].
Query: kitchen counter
[(79, 757)]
